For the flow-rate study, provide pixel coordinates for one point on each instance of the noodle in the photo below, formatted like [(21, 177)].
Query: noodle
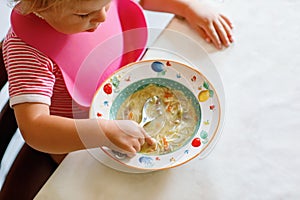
[(172, 128)]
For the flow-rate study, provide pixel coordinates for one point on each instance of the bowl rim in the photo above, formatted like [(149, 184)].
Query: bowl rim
[(214, 135)]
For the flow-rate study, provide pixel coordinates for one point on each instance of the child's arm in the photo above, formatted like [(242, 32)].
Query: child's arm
[(59, 135), (211, 25)]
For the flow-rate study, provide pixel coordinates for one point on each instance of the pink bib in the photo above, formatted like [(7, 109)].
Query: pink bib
[(87, 59)]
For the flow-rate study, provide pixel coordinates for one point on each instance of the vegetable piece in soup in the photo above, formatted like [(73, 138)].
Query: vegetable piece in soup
[(172, 128)]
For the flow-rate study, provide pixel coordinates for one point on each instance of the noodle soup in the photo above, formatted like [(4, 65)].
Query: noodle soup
[(175, 124)]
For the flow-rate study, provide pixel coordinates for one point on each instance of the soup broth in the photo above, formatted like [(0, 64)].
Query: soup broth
[(173, 126)]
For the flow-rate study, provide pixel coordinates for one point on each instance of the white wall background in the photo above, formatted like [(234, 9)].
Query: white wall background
[(4, 17)]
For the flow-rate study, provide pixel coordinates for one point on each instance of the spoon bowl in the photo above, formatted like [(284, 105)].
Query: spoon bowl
[(152, 104)]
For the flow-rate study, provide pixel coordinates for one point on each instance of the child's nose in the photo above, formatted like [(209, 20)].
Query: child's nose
[(99, 16)]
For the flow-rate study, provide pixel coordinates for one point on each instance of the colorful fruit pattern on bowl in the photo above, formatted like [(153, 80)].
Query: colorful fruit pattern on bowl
[(171, 74)]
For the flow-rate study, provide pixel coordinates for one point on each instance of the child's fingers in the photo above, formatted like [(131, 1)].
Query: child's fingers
[(221, 33), (227, 21), (137, 147), (212, 33), (131, 152), (141, 141), (202, 33), (128, 150), (227, 28), (151, 141), (148, 138)]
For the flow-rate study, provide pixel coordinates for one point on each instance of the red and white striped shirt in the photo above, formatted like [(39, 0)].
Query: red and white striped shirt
[(34, 77)]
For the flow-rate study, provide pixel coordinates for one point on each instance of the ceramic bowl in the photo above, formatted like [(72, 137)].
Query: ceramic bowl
[(165, 73)]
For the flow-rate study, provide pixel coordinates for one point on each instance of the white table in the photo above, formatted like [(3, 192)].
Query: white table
[(257, 156)]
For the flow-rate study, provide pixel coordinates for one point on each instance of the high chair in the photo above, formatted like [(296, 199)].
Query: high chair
[(31, 168), (8, 124)]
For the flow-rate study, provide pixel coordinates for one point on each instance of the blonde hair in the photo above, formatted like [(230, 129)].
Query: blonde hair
[(30, 6)]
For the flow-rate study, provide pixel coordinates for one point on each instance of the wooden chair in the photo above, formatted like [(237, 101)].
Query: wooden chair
[(31, 168)]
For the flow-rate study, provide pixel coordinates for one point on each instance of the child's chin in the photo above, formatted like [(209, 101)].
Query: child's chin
[(91, 30)]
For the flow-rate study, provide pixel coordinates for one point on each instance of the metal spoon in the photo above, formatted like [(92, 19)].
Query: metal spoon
[(152, 101)]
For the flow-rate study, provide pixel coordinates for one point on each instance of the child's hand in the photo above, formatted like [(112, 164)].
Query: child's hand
[(125, 136), (211, 25)]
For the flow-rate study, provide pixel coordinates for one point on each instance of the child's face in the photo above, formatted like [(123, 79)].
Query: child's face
[(86, 15)]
